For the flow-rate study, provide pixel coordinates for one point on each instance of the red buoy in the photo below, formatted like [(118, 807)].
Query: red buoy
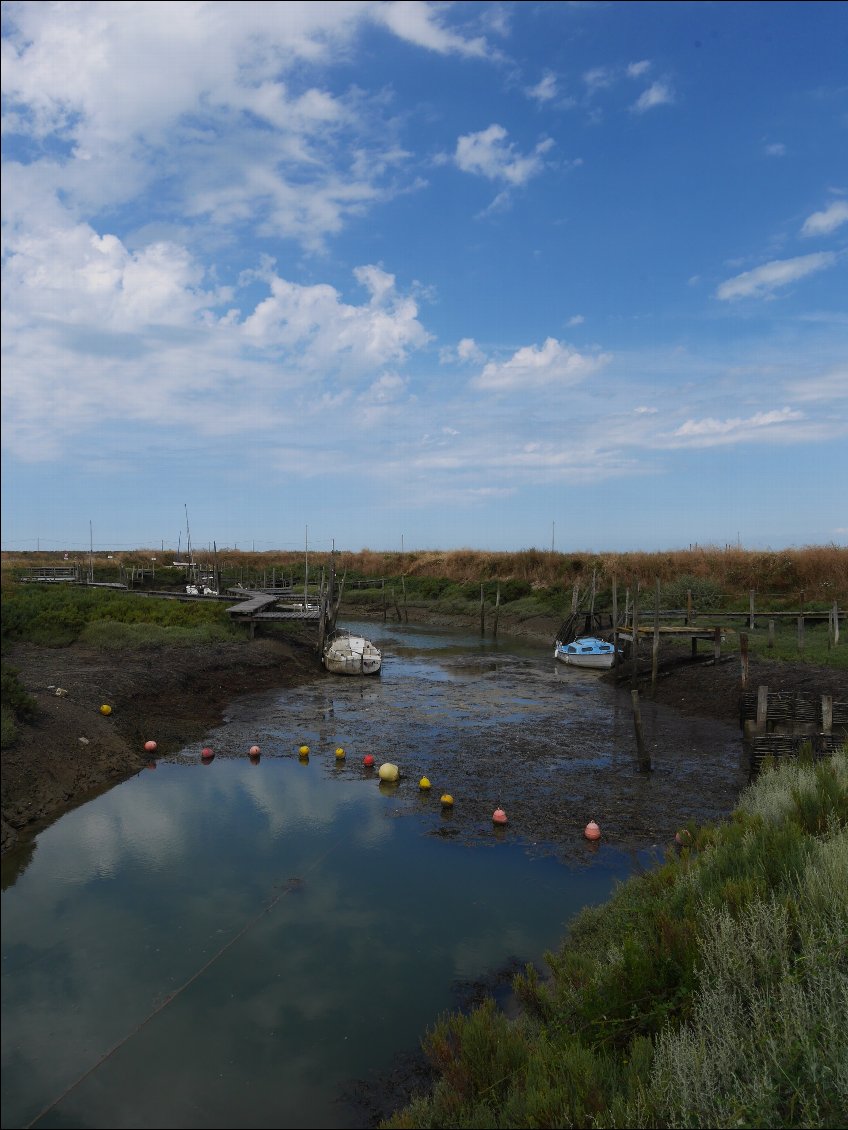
[(206, 754), (592, 831), (368, 760), (150, 747)]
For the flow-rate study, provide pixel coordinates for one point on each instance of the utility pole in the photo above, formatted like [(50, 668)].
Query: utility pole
[(553, 535)]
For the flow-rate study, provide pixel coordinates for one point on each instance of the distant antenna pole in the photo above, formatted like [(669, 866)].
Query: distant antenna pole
[(553, 535), (90, 552), (188, 538), (305, 566), (401, 543)]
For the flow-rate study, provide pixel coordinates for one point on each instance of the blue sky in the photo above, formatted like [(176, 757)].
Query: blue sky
[(426, 275)]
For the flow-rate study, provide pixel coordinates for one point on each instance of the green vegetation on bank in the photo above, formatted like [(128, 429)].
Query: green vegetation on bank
[(17, 706), (709, 992)]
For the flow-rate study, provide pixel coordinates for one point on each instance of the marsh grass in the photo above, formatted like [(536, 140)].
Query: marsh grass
[(711, 991)]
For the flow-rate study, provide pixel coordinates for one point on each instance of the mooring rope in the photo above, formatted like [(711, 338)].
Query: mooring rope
[(292, 885)]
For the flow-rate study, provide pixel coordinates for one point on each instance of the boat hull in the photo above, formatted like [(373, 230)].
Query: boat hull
[(352, 655), (589, 653)]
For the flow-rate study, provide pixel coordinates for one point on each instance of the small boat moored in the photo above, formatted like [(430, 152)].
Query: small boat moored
[(349, 654), (588, 651)]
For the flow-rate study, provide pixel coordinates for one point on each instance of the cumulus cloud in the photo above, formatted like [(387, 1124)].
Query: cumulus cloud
[(489, 154), (545, 90), (636, 70), (418, 22), (775, 149), (532, 367), (827, 221), (657, 94), (576, 320), (762, 281)]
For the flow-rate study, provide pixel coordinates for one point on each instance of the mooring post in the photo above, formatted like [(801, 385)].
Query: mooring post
[(634, 650), (615, 616), (743, 657), (716, 644), (827, 713), (644, 756), (405, 613), (801, 632), (835, 624), (688, 607), (497, 611), (771, 633), (384, 600), (482, 614), (751, 610), (762, 709), (655, 650)]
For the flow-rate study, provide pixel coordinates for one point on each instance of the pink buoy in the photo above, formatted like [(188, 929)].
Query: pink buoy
[(150, 747), (368, 760), (499, 816), (206, 753), (592, 831), (254, 750)]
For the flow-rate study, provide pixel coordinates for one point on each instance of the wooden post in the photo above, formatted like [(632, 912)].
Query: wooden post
[(634, 656), (688, 607), (743, 656), (482, 614), (801, 632), (835, 624), (405, 613), (643, 755), (497, 611), (655, 650), (615, 616), (771, 633), (751, 610), (384, 599), (716, 644), (827, 713), (762, 709)]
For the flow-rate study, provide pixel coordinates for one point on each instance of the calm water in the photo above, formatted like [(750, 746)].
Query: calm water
[(231, 944)]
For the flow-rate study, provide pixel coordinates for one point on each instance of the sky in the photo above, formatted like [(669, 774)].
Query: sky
[(411, 275)]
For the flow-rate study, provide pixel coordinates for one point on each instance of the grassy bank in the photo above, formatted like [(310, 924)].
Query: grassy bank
[(710, 992)]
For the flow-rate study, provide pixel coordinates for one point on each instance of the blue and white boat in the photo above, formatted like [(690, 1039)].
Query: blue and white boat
[(588, 651)]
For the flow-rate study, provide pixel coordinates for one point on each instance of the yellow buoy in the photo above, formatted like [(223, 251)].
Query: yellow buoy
[(304, 751), (340, 753), (447, 800), (104, 709), (389, 772), (424, 783)]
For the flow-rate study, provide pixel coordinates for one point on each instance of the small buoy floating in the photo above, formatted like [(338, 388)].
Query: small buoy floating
[(447, 800), (592, 831), (105, 709), (499, 816), (150, 747), (304, 751), (388, 772), (206, 754), (254, 751), (368, 760), (340, 753), (424, 784)]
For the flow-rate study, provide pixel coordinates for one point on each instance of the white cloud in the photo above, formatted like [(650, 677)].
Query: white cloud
[(531, 367), (823, 223), (545, 90), (489, 154), (643, 410), (825, 387), (779, 272), (657, 94), (576, 320), (775, 149), (711, 431), (598, 78), (418, 23), (636, 70)]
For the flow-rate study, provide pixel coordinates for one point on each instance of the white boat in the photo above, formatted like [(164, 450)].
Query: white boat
[(349, 654), (588, 651)]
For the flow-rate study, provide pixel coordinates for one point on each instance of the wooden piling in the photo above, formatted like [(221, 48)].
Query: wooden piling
[(751, 610), (835, 624), (383, 586), (762, 709), (771, 633), (497, 612), (644, 757), (615, 615), (716, 644), (405, 612), (655, 649), (482, 614), (801, 632), (827, 713), (634, 656), (688, 607), (743, 658)]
